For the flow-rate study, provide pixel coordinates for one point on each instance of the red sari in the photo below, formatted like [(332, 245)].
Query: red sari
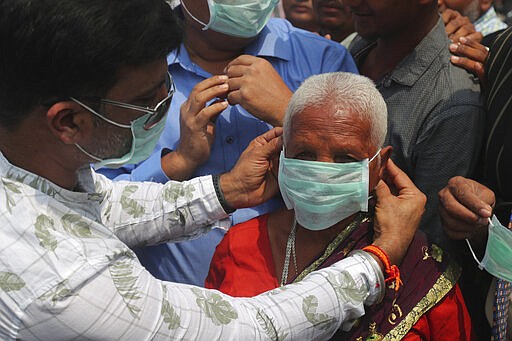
[(428, 307)]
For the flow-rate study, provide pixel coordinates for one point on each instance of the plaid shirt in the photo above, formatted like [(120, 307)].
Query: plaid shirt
[(489, 22), (66, 270)]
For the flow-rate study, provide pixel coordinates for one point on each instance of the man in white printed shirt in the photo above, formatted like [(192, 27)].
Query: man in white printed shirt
[(86, 81)]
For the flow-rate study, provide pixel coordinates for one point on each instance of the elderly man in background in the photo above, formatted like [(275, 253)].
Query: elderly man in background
[(333, 159)]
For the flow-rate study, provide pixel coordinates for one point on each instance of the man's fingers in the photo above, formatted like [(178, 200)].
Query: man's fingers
[(234, 97), (200, 95), (236, 71), (476, 197), (452, 208), (448, 15), (210, 113), (235, 83), (268, 136), (475, 37), (470, 65), (209, 82), (210, 129), (457, 229), (470, 49), (397, 179), (241, 60), (463, 31)]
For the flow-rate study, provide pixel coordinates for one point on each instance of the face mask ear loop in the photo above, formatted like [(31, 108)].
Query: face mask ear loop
[(376, 154), (373, 157), (205, 26), (474, 256), (473, 253)]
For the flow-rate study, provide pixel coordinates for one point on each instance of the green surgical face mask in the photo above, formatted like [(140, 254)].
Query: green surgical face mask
[(323, 193), (498, 253), (143, 141), (242, 18)]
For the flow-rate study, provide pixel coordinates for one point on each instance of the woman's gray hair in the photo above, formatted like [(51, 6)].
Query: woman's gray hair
[(347, 94)]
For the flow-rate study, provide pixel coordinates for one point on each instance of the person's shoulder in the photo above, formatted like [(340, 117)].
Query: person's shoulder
[(461, 87), (283, 29), (250, 227), (244, 236)]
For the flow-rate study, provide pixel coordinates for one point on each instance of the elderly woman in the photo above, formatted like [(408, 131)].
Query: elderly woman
[(334, 128)]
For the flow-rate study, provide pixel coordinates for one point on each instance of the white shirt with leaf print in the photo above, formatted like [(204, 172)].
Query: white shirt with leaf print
[(66, 270)]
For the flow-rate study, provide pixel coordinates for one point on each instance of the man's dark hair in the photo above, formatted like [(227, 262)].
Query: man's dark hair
[(62, 48)]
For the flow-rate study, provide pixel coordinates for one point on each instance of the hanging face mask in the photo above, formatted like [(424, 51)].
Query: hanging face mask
[(144, 140), (323, 193), (244, 18), (498, 253)]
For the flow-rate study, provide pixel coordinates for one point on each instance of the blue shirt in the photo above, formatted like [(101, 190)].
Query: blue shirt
[(295, 54)]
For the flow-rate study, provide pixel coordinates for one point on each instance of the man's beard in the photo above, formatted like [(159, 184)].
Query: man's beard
[(114, 145)]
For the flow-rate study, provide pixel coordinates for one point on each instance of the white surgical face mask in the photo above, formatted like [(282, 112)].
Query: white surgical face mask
[(498, 253), (242, 18), (323, 193)]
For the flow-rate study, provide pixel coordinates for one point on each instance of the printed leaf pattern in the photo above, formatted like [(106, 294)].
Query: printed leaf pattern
[(171, 318), (11, 187), (319, 320), (74, 224), (10, 281), (125, 283), (60, 293), (16, 177), (43, 186), (346, 288), (130, 206), (173, 192), (43, 226), (269, 327), (215, 307)]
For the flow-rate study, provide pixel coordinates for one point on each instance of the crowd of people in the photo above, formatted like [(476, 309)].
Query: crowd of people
[(204, 169)]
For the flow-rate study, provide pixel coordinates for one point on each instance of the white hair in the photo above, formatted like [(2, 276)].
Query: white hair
[(347, 94)]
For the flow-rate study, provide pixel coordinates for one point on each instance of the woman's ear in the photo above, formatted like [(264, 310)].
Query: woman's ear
[(385, 154), (69, 122)]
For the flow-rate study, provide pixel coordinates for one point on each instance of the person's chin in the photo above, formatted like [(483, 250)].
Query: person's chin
[(366, 31)]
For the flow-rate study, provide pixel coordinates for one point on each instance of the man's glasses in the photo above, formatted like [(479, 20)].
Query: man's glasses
[(157, 113)]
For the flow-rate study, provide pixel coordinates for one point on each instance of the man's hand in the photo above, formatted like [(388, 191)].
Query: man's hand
[(197, 128), (457, 26), (470, 55), (465, 207), (258, 88), (251, 182), (400, 205)]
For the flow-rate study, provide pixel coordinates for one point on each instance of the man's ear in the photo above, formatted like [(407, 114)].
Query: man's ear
[(484, 6), (69, 122)]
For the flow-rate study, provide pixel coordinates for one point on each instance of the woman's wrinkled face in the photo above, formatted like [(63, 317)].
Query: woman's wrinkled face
[(319, 135)]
